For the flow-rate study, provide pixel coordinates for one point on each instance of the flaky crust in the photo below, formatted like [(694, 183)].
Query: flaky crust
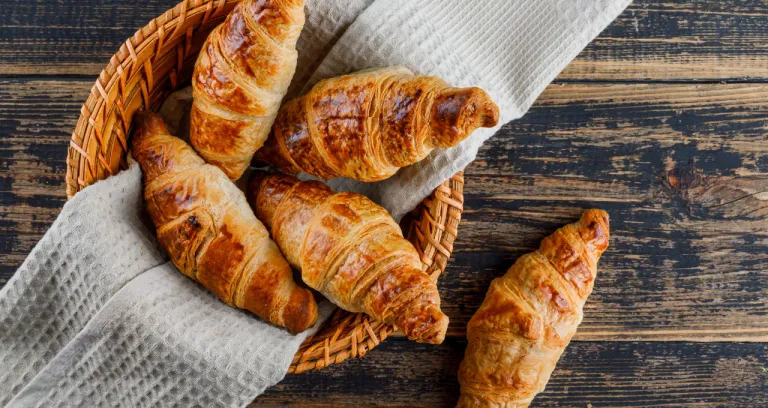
[(241, 75), (350, 250), (205, 225), (368, 124), (529, 316)]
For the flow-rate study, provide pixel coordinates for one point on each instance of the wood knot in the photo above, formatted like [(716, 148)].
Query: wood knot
[(681, 178)]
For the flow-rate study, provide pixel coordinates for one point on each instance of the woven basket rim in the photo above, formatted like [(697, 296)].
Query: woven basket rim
[(156, 60)]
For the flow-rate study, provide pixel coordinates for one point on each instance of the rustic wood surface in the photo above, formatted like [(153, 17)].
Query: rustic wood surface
[(662, 121), (597, 374)]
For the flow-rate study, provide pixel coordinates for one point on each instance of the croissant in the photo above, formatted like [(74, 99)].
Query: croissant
[(240, 78), (350, 250), (210, 233), (529, 316), (367, 125)]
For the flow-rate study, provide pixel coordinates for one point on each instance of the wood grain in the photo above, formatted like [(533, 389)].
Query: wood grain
[(597, 374), (682, 170), (651, 40), (681, 167), (45, 37), (36, 121), (679, 40)]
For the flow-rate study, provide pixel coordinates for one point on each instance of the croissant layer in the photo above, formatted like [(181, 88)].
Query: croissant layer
[(207, 228), (368, 124), (241, 75), (350, 250), (529, 316)]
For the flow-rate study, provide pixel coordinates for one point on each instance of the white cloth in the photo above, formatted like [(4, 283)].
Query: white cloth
[(512, 49), (94, 316)]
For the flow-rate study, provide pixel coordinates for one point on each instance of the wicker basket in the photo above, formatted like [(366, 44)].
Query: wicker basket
[(156, 61)]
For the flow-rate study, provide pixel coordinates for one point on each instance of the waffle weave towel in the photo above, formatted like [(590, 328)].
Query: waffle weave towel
[(96, 317), (512, 49)]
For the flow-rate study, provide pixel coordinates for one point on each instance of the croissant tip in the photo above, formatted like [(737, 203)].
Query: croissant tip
[(440, 335), (436, 335), (489, 114), (596, 214), (458, 112), (301, 312), (434, 323), (146, 123), (144, 119), (596, 227)]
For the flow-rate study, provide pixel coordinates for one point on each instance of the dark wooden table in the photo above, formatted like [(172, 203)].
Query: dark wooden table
[(662, 121)]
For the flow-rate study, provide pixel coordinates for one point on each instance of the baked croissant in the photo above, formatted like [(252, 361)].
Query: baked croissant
[(207, 228), (529, 315), (350, 250), (240, 78), (367, 125)]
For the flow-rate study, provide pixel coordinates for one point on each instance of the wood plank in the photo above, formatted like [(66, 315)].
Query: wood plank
[(651, 40), (665, 160), (36, 121), (45, 37), (683, 171), (679, 40), (598, 374)]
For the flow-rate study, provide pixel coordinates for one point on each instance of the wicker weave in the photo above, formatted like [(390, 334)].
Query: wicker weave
[(432, 228), (157, 60)]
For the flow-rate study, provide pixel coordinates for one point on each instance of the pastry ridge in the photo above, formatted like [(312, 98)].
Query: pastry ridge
[(350, 250), (529, 316), (369, 124), (210, 233), (240, 78)]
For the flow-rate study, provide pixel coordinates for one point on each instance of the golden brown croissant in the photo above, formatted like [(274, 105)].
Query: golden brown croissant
[(205, 224), (368, 124), (241, 76), (529, 316), (350, 250)]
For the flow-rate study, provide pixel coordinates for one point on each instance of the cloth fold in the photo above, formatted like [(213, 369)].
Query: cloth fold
[(161, 341), (99, 242), (96, 317), (512, 49)]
